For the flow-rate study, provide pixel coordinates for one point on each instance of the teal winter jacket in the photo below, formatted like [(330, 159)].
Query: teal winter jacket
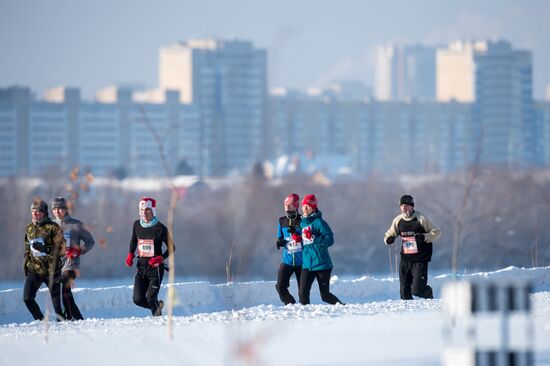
[(316, 238)]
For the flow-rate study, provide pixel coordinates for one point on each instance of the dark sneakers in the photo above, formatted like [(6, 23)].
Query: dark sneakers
[(160, 305), (428, 293)]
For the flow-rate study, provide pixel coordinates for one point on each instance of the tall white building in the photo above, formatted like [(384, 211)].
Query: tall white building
[(404, 73), (455, 71), (227, 80)]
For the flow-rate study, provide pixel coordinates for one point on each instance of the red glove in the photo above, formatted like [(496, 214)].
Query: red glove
[(297, 238), (73, 252), (130, 259), (156, 261), (307, 233)]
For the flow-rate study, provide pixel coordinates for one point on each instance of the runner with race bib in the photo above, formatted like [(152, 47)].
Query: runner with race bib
[(148, 235), (417, 233)]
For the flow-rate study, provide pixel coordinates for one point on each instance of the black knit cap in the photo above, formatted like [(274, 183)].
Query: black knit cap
[(59, 202), (40, 205), (406, 200)]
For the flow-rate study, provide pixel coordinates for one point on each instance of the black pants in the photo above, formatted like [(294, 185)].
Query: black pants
[(32, 284), (413, 280), (283, 282), (323, 279), (147, 286), (72, 312)]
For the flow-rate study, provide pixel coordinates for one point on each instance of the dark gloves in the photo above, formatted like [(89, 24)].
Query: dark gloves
[(73, 252), (41, 247), (390, 240), (156, 261), (281, 242), (25, 269), (419, 238), (130, 259)]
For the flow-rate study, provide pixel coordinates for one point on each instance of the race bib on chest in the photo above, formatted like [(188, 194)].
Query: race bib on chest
[(38, 247), (146, 247), (67, 236), (293, 247), (409, 245)]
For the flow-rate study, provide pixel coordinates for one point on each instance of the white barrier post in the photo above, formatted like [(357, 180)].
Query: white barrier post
[(487, 324)]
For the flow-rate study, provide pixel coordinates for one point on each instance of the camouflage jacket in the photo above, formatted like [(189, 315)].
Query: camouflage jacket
[(44, 247)]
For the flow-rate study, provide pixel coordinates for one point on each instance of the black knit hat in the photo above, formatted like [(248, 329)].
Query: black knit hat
[(59, 202), (406, 200), (40, 205)]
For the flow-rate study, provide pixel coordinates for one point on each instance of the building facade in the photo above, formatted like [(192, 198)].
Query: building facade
[(121, 138)]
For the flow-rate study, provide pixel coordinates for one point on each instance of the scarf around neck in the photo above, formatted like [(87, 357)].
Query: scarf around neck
[(148, 224)]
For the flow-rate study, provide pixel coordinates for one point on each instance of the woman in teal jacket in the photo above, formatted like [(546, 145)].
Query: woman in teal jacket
[(316, 264)]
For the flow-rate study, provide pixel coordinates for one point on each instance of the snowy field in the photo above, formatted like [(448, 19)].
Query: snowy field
[(245, 324)]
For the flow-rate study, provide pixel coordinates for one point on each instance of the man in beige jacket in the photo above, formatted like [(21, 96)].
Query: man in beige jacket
[(417, 233)]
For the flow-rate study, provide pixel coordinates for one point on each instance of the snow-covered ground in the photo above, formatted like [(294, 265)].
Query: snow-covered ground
[(245, 324)]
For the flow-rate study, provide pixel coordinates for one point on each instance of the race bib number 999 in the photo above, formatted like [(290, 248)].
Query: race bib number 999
[(409, 245), (146, 248)]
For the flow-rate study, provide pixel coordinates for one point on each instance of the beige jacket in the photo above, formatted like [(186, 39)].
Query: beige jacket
[(432, 232)]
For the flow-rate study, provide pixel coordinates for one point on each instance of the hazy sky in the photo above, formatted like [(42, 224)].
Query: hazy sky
[(93, 44)]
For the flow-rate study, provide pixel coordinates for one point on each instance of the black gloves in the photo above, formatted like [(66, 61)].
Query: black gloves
[(390, 240), (25, 269), (292, 229), (41, 247), (281, 242), (419, 238)]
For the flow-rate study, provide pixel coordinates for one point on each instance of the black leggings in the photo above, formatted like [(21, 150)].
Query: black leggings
[(72, 312), (323, 279), (147, 286), (32, 284), (283, 282)]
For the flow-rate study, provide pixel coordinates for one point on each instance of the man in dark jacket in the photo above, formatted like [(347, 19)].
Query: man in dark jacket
[(78, 241), (417, 233), (148, 234), (289, 237), (44, 247)]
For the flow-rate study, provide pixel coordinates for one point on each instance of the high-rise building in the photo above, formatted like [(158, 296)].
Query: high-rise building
[(404, 73), (227, 80), (498, 79)]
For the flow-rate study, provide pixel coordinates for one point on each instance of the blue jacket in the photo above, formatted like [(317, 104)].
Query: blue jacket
[(315, 253), (292, 254)]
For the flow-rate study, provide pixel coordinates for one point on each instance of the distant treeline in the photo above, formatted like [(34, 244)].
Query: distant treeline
[(495, 219)]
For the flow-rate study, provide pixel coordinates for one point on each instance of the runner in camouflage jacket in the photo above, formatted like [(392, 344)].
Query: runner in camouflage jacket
[(44, 247)]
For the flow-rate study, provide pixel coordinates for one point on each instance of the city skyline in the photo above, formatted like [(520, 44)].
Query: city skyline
[(309, 44)]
